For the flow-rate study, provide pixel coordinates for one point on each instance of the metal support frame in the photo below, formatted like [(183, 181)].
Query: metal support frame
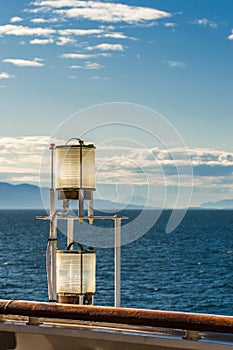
[(52, 242), (70, 224)]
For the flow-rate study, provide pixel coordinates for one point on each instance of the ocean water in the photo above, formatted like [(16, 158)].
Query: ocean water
[(190, 269)]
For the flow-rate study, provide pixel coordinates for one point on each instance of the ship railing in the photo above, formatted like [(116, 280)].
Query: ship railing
[(189, 326)]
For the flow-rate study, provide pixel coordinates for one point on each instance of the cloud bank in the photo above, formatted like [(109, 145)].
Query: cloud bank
[(212, 168), (24, 63), (101, 11), (18, 30)]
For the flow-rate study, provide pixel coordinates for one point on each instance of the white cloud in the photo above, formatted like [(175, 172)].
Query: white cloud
[(38, 20), (103, 11), (96, 77), (21, 155), (170, 24), (230, 37), (36, 10), (100, 33), (43, 20), (175, 64), (204, 22), (211, 167), (80, 32), (118, 13), (93, 65), (106, 47), (64, 41), (20, 158), (83, 56), (16, 19), (24, 63), (204, 156), (116, 35), (74, 56), (57, 3), (10, 29), (88, 65), (41, 41), (75, 67), (5, 75)]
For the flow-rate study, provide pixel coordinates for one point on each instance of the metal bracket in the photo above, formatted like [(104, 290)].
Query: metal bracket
[(192, 335)]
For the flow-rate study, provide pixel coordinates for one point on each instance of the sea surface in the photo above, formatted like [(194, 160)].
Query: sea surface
[(190, 269)]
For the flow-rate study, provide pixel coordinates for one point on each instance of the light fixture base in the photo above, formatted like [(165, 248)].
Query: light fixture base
[(86, 299)]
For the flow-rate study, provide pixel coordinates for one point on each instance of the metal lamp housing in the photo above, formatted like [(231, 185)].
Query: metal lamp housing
[(75, 167), (76, 270)]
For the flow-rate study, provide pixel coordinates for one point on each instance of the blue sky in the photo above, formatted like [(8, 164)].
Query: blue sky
[(172, 56)]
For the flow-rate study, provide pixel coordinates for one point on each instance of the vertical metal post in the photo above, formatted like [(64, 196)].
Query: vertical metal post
[(70, 232), (52, 190), (53, 260), (80, 203), (90, 205), (117, 253), (52, 244), (80, 208)]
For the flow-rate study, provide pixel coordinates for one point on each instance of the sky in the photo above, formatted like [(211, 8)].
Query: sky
[(163, 67)]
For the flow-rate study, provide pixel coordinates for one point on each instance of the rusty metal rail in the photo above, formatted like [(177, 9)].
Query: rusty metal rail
[(139, 317)]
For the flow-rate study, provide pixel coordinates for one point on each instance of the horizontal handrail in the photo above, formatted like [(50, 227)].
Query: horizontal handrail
[(140, 317)]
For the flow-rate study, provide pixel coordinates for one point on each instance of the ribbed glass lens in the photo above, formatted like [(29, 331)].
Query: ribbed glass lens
[(71, 172), (89, 263), (76, 272)]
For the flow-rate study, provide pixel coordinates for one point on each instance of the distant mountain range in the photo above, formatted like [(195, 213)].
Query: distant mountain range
[(222, 204), (25, 196), (22, 196)]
